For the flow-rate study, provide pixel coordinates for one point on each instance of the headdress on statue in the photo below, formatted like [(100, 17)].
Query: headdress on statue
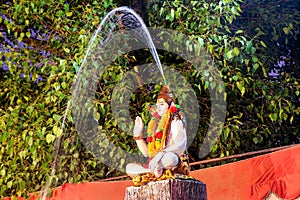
[(166, 94)]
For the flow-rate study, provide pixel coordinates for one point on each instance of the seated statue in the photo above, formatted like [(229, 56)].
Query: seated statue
[(165, 145)]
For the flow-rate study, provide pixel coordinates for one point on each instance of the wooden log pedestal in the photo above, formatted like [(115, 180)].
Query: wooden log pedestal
[(171, 189)]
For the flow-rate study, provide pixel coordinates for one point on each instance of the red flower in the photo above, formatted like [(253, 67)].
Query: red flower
[(149, 139), (173, 109), (159, 134)]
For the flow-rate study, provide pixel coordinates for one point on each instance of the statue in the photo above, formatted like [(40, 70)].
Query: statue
[(165, 145)]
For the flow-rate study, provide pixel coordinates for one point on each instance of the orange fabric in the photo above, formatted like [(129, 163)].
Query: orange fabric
[(56, 195), (254, 178), (249, 179), (95, 190)]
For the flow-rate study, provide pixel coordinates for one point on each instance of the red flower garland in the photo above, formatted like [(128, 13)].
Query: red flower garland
[(159, 135), (149, 139), (173, 109)]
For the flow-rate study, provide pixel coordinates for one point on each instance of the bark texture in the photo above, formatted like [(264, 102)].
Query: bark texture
[(172, 189)]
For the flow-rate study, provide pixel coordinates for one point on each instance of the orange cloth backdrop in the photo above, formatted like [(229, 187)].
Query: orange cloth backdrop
[(253, 178)]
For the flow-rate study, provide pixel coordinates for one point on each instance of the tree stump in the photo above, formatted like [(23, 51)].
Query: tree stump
[(171, 189)]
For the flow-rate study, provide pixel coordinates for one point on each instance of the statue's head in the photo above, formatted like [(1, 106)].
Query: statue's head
[(164, 100), (166, 94)]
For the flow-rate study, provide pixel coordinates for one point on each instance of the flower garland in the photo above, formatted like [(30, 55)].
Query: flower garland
[(157, 131)]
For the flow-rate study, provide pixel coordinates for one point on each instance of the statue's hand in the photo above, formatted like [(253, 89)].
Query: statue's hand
[(138, 127)]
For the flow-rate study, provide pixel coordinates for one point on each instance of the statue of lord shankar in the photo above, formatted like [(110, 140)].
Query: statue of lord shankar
[(165, 145)]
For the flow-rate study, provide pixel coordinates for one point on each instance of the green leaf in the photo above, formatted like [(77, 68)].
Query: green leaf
[(226, 133), (64, 85), (50, 138), (56, 117), (69, 14), (229, 54), (236, 51), (247, 61), (233, 10), (27, 10), (239, 32), (67, 50), (172, 15), (82, 32), (210, 48), (291, 119), (214, 148), (30, 141), (241, 87), (28, 34), (22, 184), (9, 184), (66, 6), (97, 116), (255, 67), (255, 140), (105, 4), (263, 44), (254, 59), (57, 131), (286, 30), (273, 116)]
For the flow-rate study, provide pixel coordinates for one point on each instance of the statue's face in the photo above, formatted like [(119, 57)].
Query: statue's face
[(162, 106)]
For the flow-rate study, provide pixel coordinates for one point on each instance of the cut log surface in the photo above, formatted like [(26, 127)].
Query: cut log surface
[(172, 189)]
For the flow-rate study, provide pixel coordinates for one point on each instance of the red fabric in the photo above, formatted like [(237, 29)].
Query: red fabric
[(95, 190), (249, 179), (254, 178), (56, 195)]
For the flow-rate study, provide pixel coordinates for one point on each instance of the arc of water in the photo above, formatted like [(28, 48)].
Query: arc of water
[(55, 150), (147, 38)]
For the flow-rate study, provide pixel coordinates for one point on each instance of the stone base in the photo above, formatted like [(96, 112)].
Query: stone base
[(171, 189)]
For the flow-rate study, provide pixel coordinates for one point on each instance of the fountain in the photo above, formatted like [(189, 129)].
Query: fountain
[(119, 18), (115, 36)]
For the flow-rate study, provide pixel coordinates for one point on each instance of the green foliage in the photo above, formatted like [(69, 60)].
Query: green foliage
[(259, 113), (275, 21), (48, 40)]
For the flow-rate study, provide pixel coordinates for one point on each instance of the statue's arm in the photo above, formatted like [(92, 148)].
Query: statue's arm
[(137, 133), (142, 147), (179, 137)]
